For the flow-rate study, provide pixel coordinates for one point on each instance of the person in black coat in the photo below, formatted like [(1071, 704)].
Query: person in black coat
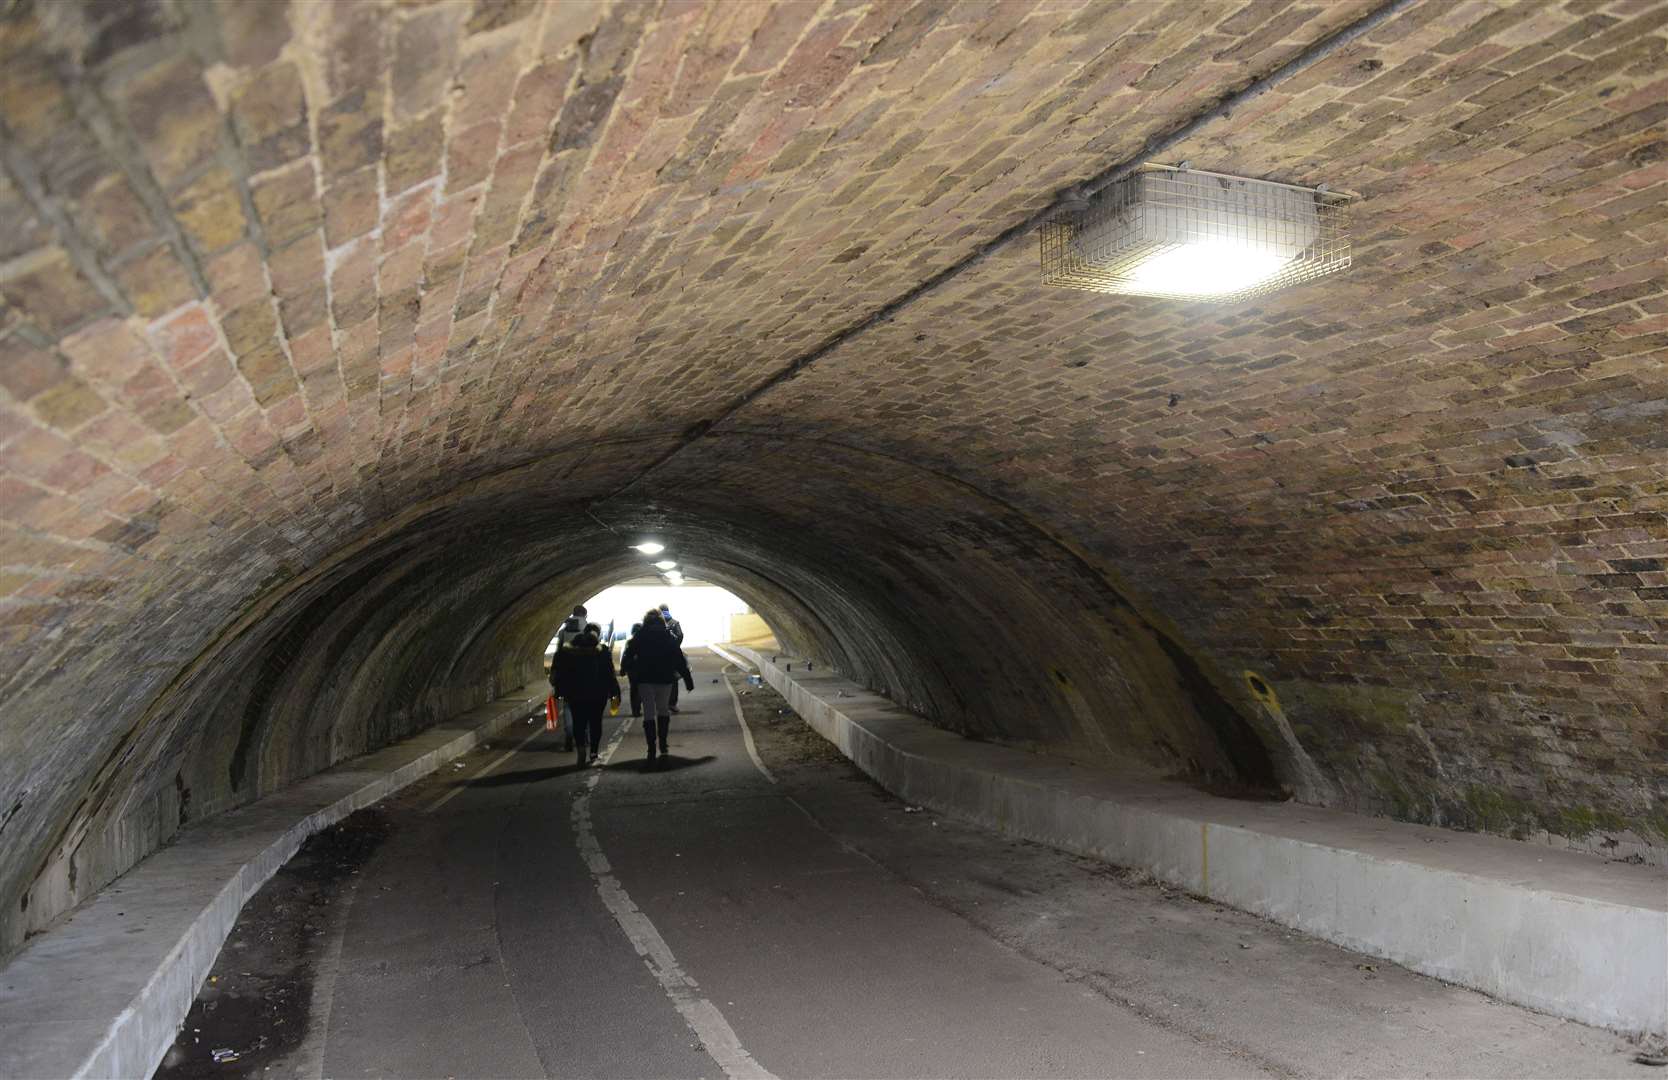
[(674, 628), (658, 663), (582, 675), (572, 627)]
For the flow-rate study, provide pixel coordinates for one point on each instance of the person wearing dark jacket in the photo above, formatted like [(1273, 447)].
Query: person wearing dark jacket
[(582, 675), (627, 658), (658, 663), (572, 627), (674, 628)]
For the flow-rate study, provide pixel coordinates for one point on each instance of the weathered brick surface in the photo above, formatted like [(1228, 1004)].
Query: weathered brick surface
[(321, 325)]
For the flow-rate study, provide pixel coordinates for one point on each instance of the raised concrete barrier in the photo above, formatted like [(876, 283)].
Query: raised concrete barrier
[(1557, 931), (103, 993)]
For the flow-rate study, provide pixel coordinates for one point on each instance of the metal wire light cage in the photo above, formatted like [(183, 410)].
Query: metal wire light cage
[(1194, 235)]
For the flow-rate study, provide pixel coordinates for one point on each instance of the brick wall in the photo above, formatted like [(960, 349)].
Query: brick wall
[(334, 338)]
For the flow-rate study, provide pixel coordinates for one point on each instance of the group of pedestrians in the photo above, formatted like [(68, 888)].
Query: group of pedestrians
[(583, 679)]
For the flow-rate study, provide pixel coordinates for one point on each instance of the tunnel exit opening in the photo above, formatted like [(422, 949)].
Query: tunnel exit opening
[(705, 611)]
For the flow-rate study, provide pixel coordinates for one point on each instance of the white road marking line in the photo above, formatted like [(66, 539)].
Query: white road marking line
[(747, 733), (735, 699), (507, 755), (703, 1017), (844, 844)]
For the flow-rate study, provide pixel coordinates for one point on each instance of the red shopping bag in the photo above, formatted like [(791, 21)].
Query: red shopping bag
[(550, 714)]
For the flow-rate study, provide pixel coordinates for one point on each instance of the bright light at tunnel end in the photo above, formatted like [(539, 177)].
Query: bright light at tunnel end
[(649, 547)]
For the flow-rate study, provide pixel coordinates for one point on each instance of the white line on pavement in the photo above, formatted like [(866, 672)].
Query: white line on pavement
[(746, 731), (703, 1017), (747, 734), (505, 756)]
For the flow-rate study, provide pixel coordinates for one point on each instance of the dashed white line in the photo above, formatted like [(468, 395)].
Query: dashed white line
[(701, 1015)]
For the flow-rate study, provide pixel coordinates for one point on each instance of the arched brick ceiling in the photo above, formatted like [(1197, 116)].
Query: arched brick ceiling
[(342, 345)]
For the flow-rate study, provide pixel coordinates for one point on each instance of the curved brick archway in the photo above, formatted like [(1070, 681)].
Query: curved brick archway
[(446, 610), (342, 346)]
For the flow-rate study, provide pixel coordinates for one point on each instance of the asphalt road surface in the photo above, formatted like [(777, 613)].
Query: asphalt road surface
[(726, 915)]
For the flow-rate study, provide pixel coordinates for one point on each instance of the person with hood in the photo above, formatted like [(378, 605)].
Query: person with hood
[(672, 625), (582, 676), (676, 629), (572, 627), (658, 663), (627, 657)]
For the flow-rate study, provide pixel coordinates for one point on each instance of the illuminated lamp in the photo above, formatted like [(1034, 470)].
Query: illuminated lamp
[(1191, 235)]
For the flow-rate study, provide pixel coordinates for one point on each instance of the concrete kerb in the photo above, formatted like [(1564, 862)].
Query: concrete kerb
[(1557, 931), (88, 998)]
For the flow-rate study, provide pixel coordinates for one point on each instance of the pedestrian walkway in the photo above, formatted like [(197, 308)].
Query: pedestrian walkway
[(1560, 931), (684, 919)]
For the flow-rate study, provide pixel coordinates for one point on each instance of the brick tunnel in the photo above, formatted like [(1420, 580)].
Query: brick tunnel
[(343, 347)]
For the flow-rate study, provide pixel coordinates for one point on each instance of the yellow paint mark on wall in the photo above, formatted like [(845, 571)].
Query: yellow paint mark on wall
[(1261, 690)]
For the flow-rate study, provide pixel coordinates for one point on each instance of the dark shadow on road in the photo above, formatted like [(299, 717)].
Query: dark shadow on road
[(663, 763), (520, 776)]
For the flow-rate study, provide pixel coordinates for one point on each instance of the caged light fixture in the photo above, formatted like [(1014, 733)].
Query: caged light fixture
[(1186, 234)]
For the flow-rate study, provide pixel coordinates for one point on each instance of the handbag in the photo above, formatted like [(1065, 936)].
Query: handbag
[(550, 713)]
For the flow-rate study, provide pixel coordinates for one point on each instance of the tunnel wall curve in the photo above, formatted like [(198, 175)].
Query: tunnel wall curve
[(453, 605), (278, 280)]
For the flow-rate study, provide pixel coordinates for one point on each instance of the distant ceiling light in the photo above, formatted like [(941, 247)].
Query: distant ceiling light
[(1193, 235), (665, 564), (650, 547)]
